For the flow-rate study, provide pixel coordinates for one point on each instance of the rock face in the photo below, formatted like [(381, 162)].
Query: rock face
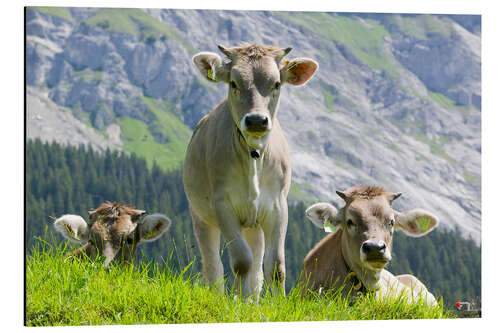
[(396, 100)]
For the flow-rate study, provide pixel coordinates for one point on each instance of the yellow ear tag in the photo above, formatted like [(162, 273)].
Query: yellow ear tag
[(71, 232), (211, 75), (286, 62), (329, 227), (423, 223)]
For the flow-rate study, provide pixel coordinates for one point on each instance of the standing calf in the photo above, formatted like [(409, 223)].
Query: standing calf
[(237, 167), (357, 252), (114, 231)]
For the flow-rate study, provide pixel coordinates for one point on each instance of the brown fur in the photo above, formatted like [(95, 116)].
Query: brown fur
[(366, 192), (112, 223), (111, 210), (323, 268), (366, 219), (253, 51)]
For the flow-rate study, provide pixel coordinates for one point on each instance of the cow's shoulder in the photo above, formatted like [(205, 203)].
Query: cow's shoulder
[(326, 255)]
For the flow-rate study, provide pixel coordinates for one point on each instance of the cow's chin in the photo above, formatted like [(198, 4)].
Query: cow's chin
[(375, 265), (256, 140), (370, 273)]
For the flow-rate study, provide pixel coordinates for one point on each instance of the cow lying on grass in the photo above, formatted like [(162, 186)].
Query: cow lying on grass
[(114, 231), (360, 246)]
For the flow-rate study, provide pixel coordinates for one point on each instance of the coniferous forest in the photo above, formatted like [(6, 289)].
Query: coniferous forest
[(73, 180)]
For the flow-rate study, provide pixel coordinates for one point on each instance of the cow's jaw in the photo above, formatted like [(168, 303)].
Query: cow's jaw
[(368, 274), (256, 141)]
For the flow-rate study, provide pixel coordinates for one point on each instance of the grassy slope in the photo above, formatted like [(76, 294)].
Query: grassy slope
[(365, 38), (136, 135), (135, 22), (137, 138), (56, 11), (67, 292)]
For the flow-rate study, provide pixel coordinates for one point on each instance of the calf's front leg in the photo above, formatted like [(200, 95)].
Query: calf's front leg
[(274, 227), (240, 254)]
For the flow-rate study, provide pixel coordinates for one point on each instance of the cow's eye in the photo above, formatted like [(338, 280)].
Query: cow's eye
[(277, 85), (233, 85), (391, 223), (350, 224)]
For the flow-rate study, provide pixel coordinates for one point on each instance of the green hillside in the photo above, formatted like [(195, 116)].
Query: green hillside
[(140, 138), (73, 180)]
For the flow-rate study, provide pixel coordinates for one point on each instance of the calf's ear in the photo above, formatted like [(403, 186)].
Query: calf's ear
[(415, 222), (298, 71), (137, 214), (152, 227), (72, 227), (211, 66), (324, 216)]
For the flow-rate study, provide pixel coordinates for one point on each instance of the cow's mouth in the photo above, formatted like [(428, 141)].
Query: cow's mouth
[(377, 263), (256, 135), (256, 140)]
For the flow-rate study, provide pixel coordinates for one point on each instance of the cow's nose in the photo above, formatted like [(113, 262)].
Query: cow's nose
[(372, 247), (256, 123)]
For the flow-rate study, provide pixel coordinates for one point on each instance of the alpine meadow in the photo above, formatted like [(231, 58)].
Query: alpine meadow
[(69, 181), (113, 98)]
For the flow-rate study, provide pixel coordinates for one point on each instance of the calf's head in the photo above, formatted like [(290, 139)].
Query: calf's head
[(368, 221), (255, 76), (114, 231)]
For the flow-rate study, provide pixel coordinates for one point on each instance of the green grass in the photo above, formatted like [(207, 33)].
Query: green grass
[(436, 148), (71, 292), (56, 11), (448, 103), (442, 100), (472, 179), (90, 75), (137, 137), (366, 39), (329, 100), (422, 27), (135, 22)]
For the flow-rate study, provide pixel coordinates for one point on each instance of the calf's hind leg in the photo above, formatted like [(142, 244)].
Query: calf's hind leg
[(208, 239)]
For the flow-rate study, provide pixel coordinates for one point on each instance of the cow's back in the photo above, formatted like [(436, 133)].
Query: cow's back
[(406, 284)]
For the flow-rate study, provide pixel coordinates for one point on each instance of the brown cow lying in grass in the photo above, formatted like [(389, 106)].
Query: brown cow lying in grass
[(114, 231), (360, 246)]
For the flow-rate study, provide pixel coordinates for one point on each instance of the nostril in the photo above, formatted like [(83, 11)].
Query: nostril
[(370, 247), (256, 122), (365, 247)]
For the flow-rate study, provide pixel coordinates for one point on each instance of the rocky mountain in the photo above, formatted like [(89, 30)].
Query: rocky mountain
[(396, 100)]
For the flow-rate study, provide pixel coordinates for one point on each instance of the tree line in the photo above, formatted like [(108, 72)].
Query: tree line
[(73, 180)]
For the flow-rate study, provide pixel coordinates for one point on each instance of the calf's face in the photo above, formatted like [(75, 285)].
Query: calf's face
[(112, 231), (255, 77), (368, 222), (115, 230), (368, 227)]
